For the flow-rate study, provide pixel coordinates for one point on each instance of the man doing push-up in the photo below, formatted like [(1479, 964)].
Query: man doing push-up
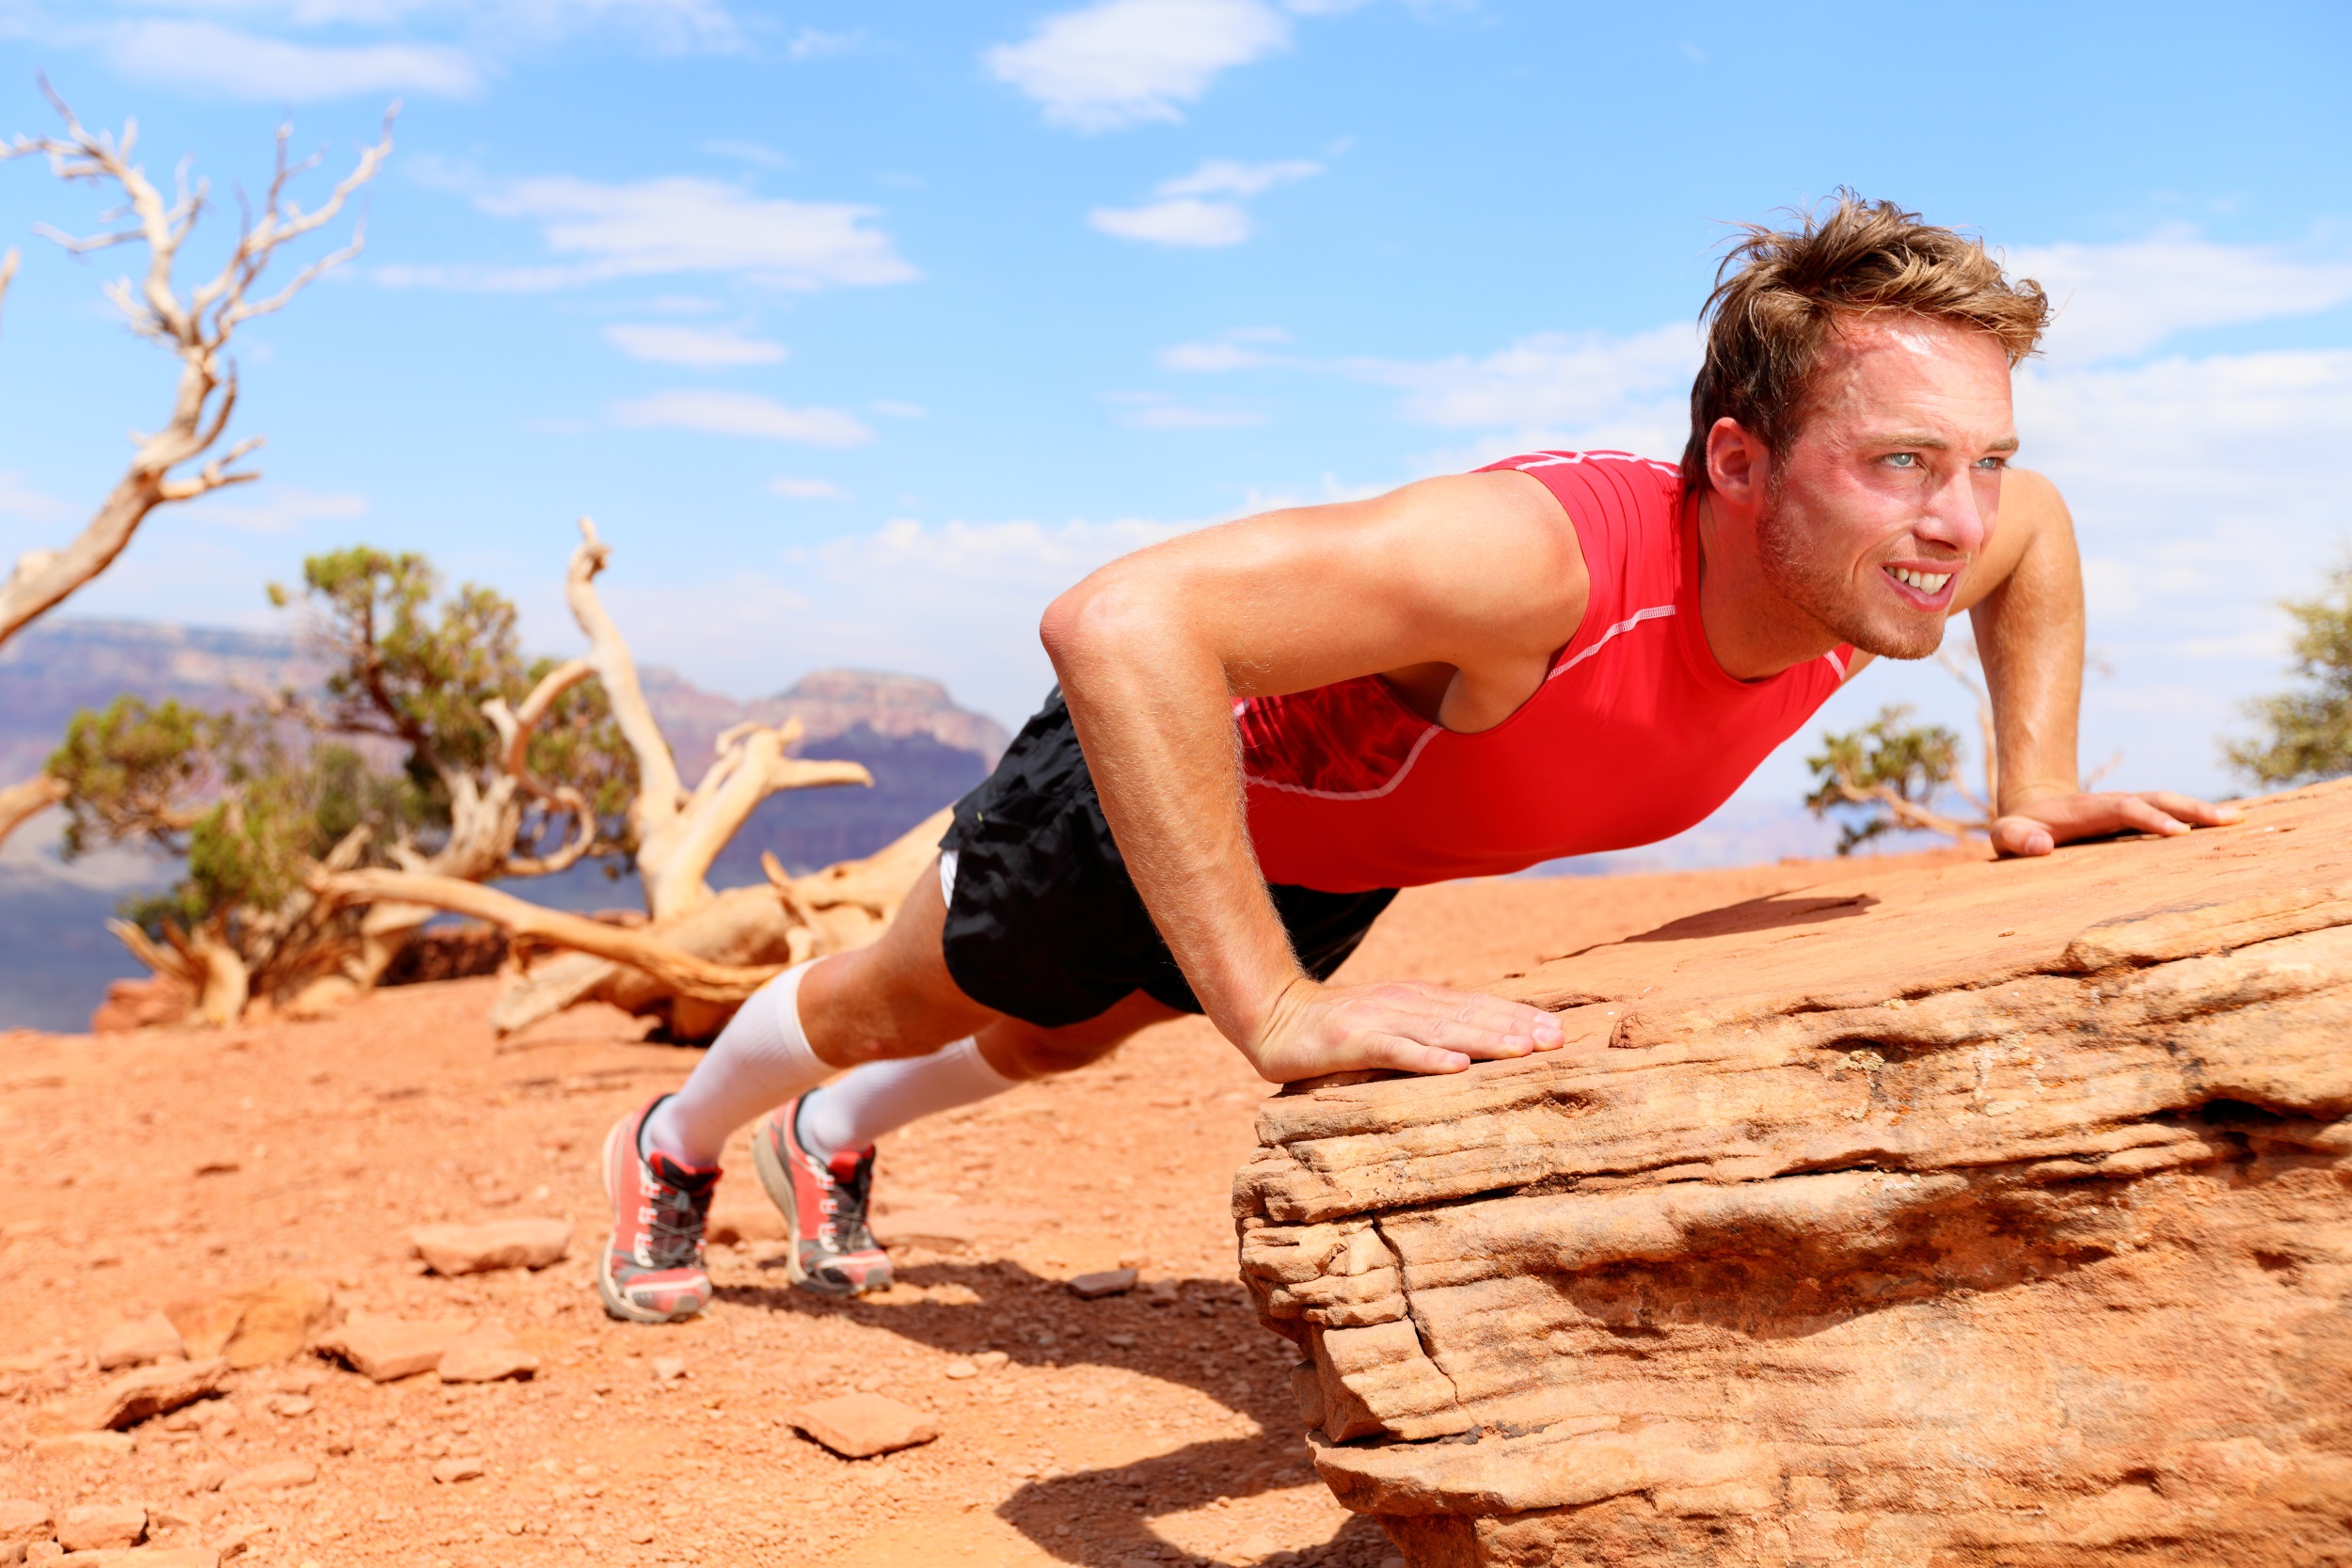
[(1263, 730)]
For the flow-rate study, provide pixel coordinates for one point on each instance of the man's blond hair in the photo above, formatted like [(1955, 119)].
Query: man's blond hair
[(1781, 294)]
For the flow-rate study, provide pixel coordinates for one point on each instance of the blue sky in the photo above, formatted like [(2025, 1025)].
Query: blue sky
[(863, 329)]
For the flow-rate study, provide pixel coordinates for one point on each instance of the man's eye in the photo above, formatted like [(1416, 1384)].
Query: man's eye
[(1992, 462), (1903, 459)]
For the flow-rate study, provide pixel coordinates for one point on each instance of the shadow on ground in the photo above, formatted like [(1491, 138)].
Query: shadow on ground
[(1207, 1338)]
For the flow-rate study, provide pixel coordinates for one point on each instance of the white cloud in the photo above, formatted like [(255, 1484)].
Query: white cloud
[(811, 44), (1225, 177), (277, 509), (1188, 222), (707, 348), (1124, 62), (739, 414), (19, 499), (213, 58), (1150, 411), (758, 153), (2117, 300), (665, 25), (1183, 216), (806, 489), (1232, 351), (1627, 393), (678, 224), (958, 601)]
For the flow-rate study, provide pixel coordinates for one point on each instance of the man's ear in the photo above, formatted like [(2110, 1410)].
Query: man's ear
[(1737, 463)]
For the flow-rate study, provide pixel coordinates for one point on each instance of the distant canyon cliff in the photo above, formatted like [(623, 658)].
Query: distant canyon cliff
[(922, 748)]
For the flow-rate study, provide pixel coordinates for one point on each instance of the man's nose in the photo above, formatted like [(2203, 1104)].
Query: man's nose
[(1952, 516)]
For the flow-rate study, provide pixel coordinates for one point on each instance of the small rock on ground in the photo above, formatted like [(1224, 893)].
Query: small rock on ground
[(519, 1243), (139, 1341), (22, 1520), (1104, 1282), (95, 1526), (858, 1426), (485, 1358), (275, 1477), (134, 1396), (449, 1472), (383, 1349)]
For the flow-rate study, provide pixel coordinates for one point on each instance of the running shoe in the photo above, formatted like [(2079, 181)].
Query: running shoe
[(652, 1268), (831, 1252)]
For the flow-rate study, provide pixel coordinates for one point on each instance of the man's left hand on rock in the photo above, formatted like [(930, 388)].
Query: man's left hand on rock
[(1401, 1026), (2040, 826)]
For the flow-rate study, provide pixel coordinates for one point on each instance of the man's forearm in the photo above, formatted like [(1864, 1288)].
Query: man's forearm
[(2030, 634), (1155, 717)]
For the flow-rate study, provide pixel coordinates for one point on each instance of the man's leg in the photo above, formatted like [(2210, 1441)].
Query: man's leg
[(814, 1155), (890, 1000)]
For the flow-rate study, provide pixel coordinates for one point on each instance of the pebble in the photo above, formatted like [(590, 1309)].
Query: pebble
[(384, 1349), (1102, 1282), (150, 1391), (990, 1360), (962, 1369), (278, 1476), (485, 1358), (139, 1341), (668, 1369), (99, 1526), (22, 1520), (858, 1426), (518, 1243), (449, 1472)]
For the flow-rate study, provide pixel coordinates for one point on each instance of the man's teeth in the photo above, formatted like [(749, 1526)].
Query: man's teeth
[(1927, 582)]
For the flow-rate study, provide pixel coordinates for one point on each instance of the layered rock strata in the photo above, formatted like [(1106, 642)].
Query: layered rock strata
[(1982, 1214)]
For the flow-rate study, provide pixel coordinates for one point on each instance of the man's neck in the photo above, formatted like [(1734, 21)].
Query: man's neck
[(1754, 630)]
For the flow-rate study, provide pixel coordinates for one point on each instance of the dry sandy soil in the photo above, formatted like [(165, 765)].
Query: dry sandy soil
[(1154, 1427)]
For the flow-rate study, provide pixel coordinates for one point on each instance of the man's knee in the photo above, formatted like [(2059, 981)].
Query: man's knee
[(1020, 1050)]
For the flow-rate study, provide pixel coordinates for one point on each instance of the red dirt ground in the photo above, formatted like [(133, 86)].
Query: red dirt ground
[(152, 1167)]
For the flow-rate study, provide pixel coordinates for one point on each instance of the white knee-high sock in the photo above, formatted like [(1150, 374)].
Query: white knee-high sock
[(760, 1060), (882, 1097)]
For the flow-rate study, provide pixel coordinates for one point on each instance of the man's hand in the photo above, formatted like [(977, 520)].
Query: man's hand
[(2039, 826), (1404, 1025)]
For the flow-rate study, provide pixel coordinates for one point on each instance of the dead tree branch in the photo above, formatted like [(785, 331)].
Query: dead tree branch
[(196, 327), (21, 802)]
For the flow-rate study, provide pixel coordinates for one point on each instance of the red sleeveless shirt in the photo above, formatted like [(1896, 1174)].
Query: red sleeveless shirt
[(1635, 735)]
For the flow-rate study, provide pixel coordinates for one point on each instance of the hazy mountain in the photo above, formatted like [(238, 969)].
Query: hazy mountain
[(56, 957)]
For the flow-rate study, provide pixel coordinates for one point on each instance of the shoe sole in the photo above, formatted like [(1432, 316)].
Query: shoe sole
[(615, 1303), (777, 1183)]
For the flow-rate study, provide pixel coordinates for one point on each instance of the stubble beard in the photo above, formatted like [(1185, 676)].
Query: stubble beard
[(1800, 573)]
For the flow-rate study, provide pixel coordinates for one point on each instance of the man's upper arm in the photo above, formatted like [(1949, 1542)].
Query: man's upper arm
[(1470, 570), (2033, 519)]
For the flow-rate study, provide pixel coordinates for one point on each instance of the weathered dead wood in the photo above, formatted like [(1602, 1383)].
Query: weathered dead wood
[(701, 952), (20, 802), (197, 326), (634, 946)]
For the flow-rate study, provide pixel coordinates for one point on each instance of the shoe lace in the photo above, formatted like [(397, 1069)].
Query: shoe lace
[(845, 1197), (673, 1237)]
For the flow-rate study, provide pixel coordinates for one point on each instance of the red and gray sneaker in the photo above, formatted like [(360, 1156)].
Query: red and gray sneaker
[(652, 1267), (824, 1207)]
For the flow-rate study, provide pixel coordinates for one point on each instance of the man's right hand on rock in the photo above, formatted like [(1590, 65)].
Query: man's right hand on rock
[(1402, 1026)]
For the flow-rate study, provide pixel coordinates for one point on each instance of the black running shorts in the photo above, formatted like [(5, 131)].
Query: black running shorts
[(1043, 923)]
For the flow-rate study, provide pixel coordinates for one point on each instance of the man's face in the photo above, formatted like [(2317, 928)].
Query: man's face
[(1871, 518)]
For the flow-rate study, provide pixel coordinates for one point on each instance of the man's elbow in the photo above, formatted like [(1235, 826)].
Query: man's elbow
[(1098, 619)]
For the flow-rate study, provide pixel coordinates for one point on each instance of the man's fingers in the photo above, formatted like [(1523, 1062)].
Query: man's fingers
[(1481, 1011), (2188, 808), (2142, 812), (2023, 836), (1401, 1054)]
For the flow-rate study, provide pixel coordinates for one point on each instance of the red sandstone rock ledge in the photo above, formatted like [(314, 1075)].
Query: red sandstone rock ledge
[(1979, 1213)]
